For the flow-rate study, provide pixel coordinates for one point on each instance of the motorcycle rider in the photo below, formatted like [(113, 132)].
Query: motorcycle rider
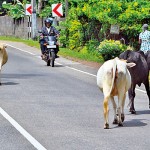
[(48, 30)]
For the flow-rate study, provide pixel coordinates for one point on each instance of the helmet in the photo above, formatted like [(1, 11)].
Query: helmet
[(49, 20)]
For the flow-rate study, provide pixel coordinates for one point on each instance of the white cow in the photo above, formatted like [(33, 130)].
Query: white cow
[(113, 79), (3, 57)]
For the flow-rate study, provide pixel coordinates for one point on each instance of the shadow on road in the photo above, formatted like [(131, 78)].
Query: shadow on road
[(143, 112), (19, 76), (55, 66), (132, 123), (9, 83)]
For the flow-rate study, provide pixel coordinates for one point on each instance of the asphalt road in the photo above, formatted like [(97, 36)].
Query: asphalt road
[(60, 108)]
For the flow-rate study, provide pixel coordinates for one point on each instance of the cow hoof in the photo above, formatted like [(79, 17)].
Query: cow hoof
[(115, 121), (122, 117), (120, 124), (0, 83), (106, 126), (132, 111)]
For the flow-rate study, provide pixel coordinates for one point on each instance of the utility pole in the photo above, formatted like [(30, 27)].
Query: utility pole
[(33, 19)]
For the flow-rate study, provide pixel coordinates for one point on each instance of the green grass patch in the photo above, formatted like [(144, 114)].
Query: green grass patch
[(27, 42), (63, 51), (75, 54)]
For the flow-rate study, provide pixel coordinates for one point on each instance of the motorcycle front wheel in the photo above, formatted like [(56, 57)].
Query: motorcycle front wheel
[(52, 58)]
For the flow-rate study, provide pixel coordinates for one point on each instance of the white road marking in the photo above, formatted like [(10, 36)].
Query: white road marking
[(31, 139), (77, 70), (81, 71), (21, 50)]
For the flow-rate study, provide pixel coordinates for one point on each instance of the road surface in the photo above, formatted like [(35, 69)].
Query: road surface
[(61, 108)]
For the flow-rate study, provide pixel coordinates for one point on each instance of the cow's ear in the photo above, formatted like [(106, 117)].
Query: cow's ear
[(130, 65)]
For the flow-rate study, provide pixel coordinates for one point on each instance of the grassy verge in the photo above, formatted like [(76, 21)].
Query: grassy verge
[(27, 42), (86, 56), (63, 51)]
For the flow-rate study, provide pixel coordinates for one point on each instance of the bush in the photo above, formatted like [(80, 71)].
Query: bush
[(92, 45), (110, 49)]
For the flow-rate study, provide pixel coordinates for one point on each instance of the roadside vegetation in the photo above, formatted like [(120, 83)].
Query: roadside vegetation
[(65, 52), (14, 39), (86, 30)]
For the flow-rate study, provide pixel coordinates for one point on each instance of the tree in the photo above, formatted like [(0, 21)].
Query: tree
[(40, 5), (99, 15), (15, 10)]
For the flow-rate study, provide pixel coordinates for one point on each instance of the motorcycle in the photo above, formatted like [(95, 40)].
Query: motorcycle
[(50, 52)]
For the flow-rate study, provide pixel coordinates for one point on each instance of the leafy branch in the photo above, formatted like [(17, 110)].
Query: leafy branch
[(14, 10)]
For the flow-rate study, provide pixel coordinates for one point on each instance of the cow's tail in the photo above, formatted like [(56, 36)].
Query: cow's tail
[(113, 75)]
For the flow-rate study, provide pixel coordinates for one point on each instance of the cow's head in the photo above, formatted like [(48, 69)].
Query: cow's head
[(130, 56), (129, 64)]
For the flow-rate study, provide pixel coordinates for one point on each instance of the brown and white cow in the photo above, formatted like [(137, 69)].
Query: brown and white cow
[(114, 79), (3, 56)]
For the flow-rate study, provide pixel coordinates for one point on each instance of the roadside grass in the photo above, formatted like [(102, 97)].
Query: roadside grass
[(27, 42), (63, 51), (74, 54)]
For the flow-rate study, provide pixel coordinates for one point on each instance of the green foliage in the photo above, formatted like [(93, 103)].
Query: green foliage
[(88, 21), (75, 34), (84, 50), (62, 38), (16, 10), (80, 55), (134, 16), (96, 17), (92, 47), (73, 39), (110, 49), (47, 10)]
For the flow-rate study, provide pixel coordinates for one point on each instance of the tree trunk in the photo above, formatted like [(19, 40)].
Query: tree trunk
[(39, 6)]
